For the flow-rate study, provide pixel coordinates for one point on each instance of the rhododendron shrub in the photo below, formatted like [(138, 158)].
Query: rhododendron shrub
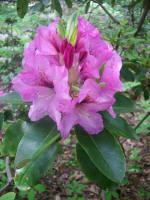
[(70, 82), (69, 79)]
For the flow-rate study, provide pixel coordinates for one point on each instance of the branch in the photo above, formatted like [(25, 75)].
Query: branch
[(102, 195), (144, 118), (145, 12), (131, 12), (106, 11), (9, 176)]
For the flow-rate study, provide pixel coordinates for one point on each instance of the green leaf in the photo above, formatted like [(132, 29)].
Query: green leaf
[(127, 74), (118, 126), (146, 94), (12, 137), (74, 37), (87, 7), (105, 152), (56, 5), (91, 171), (22, 7), (40, 188), (1, 120), (8, 196), (71, 26), (124, 104), (31, 195), (69, 3), (11, 98), (36, 152), (61, 29)]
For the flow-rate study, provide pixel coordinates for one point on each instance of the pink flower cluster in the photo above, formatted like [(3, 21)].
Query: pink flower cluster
[(1, 94), (70, 83)]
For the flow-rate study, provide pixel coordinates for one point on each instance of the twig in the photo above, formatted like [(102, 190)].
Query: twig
[(131, 12), (106, 11), (144, 118), (145, 12), (9, 176)]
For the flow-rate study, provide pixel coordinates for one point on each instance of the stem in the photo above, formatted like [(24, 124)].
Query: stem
[(106, 11), (9, 176), (142, 120), (145, 12), (103, 195), (131, 12)]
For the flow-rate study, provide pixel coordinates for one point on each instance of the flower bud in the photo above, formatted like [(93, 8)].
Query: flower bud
[(69, 55), (63, 45)]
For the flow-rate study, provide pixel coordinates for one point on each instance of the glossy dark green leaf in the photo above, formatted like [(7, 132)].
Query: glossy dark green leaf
[(146, 94), (57, 6), (1, 120), (11, 98), (91, 171), (69, 3), (8, 196), (118, 126), (36, 152), (127, 74), (22, 7), (113, 3), (124, 104), (105, 152), (12, 137), (87, 7)]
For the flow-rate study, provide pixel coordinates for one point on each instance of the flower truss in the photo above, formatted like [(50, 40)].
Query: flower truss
[(1, 94), (70, 77)]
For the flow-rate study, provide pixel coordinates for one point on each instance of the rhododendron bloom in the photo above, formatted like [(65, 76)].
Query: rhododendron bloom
[(2, 94), (70, 81)]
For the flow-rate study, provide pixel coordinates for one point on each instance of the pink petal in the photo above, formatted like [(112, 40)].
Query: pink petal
[(67, 123), (92, 122), (112, 69)]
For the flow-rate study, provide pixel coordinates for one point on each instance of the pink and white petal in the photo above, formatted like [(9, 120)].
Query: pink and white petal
[(92, 122), (59, 76), (29, 56), (90, 88), (41, 102), (27, 92), (67, 123), (53, 111), (90, 69), (44, 32), (29, 77), (45, 47), (112, 69), (86, 28)]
